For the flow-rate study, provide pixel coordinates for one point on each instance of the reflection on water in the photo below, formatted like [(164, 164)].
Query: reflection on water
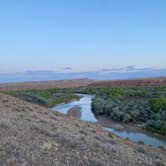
[(86, 114), (84, 103), (136, 136)]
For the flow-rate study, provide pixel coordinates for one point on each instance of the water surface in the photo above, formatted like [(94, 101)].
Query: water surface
[(138, 136), (86, 115), (84, 103)]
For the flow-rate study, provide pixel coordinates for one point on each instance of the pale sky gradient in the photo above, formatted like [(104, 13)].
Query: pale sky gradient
[(81, 34)]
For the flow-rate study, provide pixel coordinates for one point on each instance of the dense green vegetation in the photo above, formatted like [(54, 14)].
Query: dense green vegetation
[(47, 97), (158, 103), (145, 106)]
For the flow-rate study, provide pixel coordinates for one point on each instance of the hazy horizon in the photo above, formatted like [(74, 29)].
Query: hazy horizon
[(128, 72)]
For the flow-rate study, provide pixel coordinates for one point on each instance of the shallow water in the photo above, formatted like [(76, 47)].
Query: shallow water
[(137, 136), (86, 115), (84, 103)]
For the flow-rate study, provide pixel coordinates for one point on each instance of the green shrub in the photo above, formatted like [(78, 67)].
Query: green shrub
[(46, 97), (141, 150), (157, 104)]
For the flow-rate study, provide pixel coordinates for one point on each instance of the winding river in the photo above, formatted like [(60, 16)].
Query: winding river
[(86, 115)]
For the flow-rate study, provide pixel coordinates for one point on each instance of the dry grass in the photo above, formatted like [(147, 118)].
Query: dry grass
[(36, 136)]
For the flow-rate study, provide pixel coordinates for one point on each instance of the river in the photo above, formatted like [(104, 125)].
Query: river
[(86, 115)]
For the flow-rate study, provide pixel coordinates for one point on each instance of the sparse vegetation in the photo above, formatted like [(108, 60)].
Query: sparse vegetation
[(141, 150), (5, 124), (110, 135), (34, 135), (160, 163)]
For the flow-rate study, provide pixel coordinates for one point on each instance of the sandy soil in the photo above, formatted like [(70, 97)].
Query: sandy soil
[(75, 112)]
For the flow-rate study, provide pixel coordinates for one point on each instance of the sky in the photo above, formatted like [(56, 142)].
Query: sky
[(81, 35)]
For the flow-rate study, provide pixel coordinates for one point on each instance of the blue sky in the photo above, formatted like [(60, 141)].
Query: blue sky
[(81, 34)]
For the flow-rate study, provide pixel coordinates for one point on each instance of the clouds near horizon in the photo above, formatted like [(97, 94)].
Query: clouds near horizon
[(82, 35)]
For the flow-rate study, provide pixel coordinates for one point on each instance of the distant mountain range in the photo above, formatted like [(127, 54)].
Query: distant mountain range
[(129, 72)]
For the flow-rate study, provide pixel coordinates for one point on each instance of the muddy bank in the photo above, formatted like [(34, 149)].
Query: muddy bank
[(75, 112), (108, 122)]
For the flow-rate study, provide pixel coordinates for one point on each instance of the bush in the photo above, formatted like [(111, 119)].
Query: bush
[(156, 126), (146, 106), (127, 117), (31, 97), (141, 150), (46, 97), (157, 104)]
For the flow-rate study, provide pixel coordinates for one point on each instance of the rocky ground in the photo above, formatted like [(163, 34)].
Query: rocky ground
[(31, 135)]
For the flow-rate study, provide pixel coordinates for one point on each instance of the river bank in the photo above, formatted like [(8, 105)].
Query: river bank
[(133, 132), (75, 112), (107, 122), (125, 131)]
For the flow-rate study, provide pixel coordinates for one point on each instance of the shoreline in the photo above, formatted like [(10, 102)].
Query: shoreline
[(75, 112), (107, 122)]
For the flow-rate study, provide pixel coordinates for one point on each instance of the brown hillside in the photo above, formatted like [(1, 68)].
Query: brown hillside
[(136, 82), (45, 84), (33, 135)]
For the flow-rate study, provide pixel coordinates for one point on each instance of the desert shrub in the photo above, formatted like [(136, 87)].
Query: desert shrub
[(115, 93), (98, 106), (110, 135), (145, 106), (31, 97), (46, 97), (5, 124), (141, 150), (127, 117), (94, 163), (116, 114), (156, 126), (157, 104), (141, 142), (160, 163)]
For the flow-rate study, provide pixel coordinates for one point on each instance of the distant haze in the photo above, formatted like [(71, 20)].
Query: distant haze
[(129, 72)]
